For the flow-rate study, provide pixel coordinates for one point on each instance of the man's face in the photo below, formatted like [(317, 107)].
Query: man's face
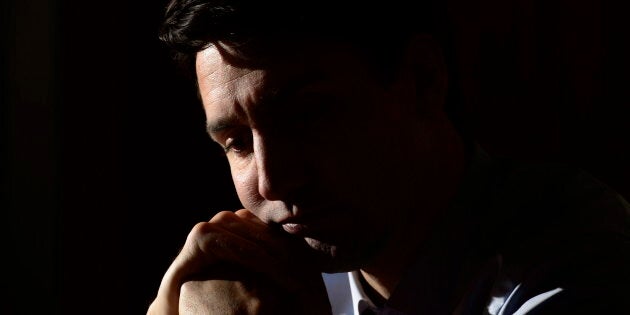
[(317, 145)]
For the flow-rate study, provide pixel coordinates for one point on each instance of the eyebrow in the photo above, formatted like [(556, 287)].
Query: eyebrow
[(219, 125), (225, 123)]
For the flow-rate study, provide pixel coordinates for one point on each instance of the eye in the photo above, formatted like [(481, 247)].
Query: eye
[(239, 142)]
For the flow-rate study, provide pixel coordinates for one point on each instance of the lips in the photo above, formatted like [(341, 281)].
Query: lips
[(317, 229), (315, 223), (303, 225), (295, 228)]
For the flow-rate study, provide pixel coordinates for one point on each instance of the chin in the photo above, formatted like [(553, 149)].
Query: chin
[(333, 259)]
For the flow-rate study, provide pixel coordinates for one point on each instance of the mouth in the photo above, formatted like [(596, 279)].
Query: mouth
[(303, 225), (295, 229), (315, 224)]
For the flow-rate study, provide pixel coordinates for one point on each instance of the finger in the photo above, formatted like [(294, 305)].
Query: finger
[(221, 241), (248, 215), (208, 244), (245, 224), (292, 250)]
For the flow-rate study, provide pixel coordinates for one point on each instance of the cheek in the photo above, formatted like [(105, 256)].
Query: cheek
[(246, 183)]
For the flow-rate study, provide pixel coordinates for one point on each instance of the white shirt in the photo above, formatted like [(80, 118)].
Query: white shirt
[(347, 296), (345, 293)]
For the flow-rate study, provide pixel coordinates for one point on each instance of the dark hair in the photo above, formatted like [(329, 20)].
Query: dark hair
[(192, 25), (380, 32)]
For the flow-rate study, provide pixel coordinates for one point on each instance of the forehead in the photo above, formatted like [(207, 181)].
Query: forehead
[(224, 83), (221, 84), (214, 72), (282, 63)]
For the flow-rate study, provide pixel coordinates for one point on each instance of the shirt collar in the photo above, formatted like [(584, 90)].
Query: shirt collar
[(360, 300)]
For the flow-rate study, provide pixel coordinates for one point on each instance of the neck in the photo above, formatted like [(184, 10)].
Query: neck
[(405, 246)]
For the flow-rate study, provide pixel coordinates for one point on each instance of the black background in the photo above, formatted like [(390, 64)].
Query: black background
[(106, 165)]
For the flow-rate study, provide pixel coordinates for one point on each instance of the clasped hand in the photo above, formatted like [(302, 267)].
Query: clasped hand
[(236, 264)]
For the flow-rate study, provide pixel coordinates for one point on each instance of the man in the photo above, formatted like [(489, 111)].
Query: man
[(338, 125)]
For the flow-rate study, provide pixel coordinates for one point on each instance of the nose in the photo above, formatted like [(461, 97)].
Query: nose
[(280, 166)]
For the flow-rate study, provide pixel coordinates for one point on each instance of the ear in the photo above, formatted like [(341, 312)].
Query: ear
[(424, 64)]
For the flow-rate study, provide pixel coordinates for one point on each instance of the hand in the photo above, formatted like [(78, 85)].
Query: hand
[(238, 260), (231, 290)]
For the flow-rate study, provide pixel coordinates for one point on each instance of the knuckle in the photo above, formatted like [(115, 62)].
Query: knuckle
[(199, 230), (223, 217), (206, 239), (200, 239), (188, 287), (243, 213)]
